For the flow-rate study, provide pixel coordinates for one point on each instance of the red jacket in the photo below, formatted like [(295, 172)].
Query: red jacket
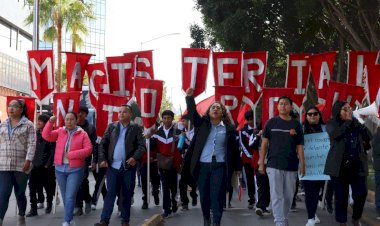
[(80, 146), (253, 158), (163, 145)]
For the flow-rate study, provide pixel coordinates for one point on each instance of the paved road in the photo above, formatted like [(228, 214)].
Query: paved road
[(237, 216)]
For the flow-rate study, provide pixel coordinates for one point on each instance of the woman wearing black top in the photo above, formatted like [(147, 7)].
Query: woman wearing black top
[(346, 162)]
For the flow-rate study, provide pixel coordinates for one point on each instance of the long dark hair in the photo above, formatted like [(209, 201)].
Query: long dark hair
[(23, 106), (307, 126), (225, 117)]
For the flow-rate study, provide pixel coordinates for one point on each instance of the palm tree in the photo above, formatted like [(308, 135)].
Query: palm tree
[(57, 14)]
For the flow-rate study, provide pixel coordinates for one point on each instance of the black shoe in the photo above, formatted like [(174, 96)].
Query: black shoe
[(144, 206), (175, 209), (48, 208), (78, 212), (156, 200), (251, 205), (229, 205), (101, 223), (194, 201), (329, 208), (165, 215), (216, 224), (32, 213), (185, 207), (207, 221)]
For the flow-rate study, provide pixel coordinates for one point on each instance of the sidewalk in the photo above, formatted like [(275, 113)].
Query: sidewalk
[(369, 213)]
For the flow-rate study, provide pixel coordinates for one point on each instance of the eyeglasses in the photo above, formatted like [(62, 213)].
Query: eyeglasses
[(13, 106), (347, 109), (312, 114)]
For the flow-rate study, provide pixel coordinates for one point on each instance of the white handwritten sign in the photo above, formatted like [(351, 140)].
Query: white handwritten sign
[(317, 146)]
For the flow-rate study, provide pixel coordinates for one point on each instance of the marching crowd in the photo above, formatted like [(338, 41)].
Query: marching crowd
[(207, 153)]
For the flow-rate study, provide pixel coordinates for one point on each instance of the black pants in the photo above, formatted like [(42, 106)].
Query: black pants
[(84, 190), (250, 175), (169, 187), (154, 179), (41, 177), (187, 180), (263, 194), (212, 189), (312, 190), (359, 194), (329, 193), (99, 176)]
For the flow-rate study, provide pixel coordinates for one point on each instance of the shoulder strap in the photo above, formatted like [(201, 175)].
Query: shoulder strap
[(173, 142)]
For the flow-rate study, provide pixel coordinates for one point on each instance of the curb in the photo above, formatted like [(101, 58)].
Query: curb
[(155, 220)]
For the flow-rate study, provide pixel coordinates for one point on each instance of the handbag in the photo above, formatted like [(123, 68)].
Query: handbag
[(166, 162)]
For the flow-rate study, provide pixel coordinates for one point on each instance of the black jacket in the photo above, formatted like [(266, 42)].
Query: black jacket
[(44, 155), (376, 149), (338, 132), (203, 127), (134, 142)]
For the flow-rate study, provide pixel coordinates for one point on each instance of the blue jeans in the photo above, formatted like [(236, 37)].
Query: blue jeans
[(123, 179), (69, 183), (10, 179)]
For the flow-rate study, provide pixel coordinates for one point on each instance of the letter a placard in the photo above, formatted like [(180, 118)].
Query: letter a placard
[(41, 71), (76, 64), (149, 96)]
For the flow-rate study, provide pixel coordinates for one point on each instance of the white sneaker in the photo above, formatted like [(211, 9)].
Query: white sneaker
[(72, 223), (316, 219), (310, 222), (40, 205), (259, 212), (93, 207)]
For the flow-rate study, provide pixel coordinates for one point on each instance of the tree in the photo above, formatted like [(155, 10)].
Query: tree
[(57, 14), (166, 104)]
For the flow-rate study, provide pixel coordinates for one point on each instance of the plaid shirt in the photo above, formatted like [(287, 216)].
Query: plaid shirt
[(17, 147)]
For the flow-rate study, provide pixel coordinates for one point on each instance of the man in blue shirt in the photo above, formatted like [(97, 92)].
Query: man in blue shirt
[(121, 147)]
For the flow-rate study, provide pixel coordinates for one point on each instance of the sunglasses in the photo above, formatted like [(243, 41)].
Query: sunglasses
[(312, 114)]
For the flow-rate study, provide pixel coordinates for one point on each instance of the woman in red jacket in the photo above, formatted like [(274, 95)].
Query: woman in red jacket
[(73, 146)]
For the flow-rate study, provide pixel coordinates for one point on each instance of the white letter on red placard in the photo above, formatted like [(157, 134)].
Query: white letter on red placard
[(299, 64), (35, 66), (143, 74), (92, 80), (75, 75), (359, 70), (225, 75), (271, 106), (61, 109), (110, 109), (152, 103), (194, 67), (121, 67), (250, 74), (324, 74)]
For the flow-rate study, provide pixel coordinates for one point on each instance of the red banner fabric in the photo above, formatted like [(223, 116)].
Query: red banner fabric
[(231, 97), (338, 91), (120, 71), (107, 111), (30, 105), (194, 69), (270, 101), (143, 63), (297, 75), (373, 90), (64, 103), (97, 82), (76, 64), (227, 68), (41, 72), (254, 71), (149, 97), (357, 62), (321, 70)]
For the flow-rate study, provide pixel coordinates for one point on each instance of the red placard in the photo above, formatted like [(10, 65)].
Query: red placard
[(76, 64), (321, 70), (63, 103), (149, 97), (30, 105), (357, 62), (227, 68), (143, 63), (231, 97), (120, 70), (107, 111), (254, 71), (194, 69), (97, 82), (41, 71), (298, 72), (373, 90)]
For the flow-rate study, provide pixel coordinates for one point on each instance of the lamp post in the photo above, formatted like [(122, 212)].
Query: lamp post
[(162, 36), (36, 24)]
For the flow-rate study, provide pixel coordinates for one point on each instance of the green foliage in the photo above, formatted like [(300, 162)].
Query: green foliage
[(166, 104)]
